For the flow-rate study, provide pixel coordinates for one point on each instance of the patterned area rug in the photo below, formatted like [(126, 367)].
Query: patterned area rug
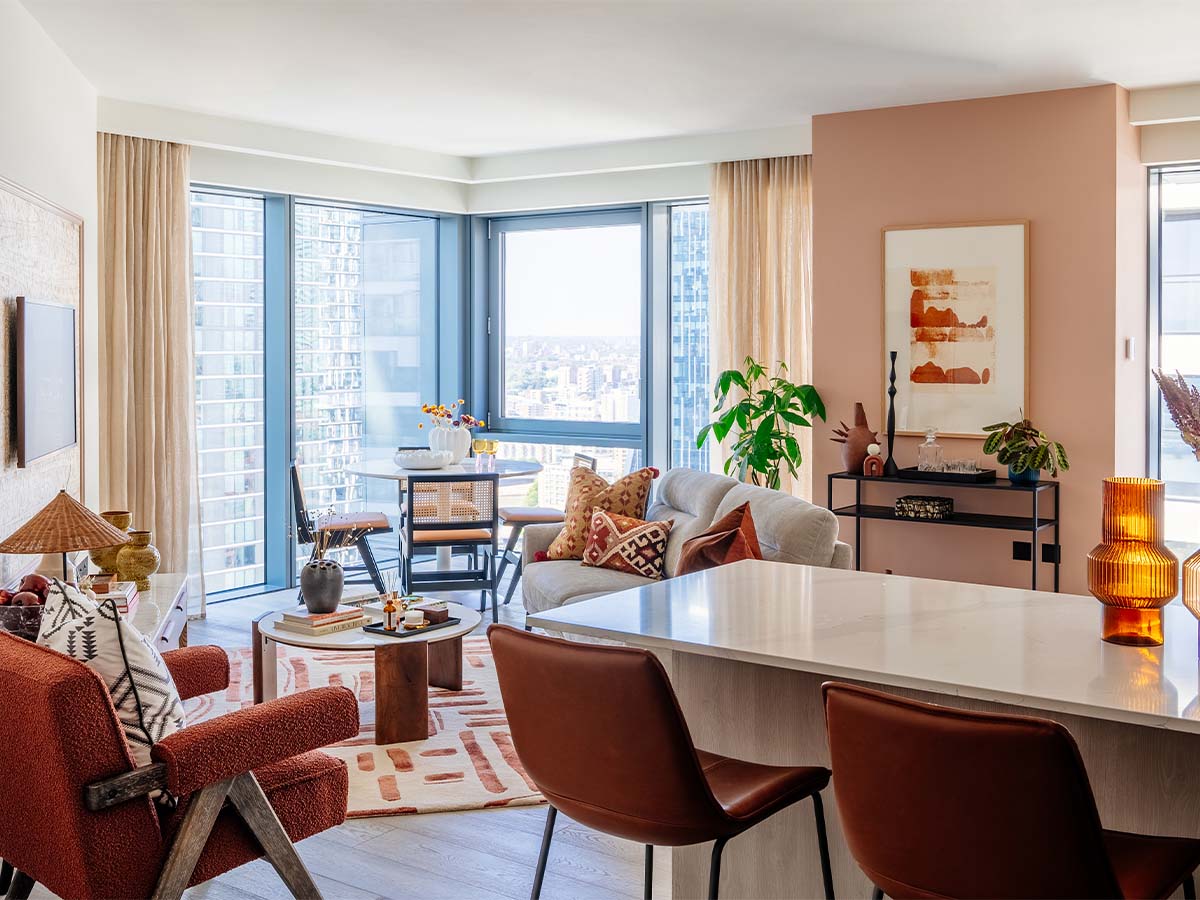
[(469, 763)]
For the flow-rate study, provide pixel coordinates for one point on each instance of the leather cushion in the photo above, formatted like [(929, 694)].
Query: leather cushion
[(731, 539), (465, 535), (587, 492), (753, 791), (1150, 866), (349, 521), (512, 515)]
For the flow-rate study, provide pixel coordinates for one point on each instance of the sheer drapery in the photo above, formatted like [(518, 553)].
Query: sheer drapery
[(760, 281)]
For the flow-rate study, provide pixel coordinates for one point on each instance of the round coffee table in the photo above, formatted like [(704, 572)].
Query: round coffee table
[(405, 667)]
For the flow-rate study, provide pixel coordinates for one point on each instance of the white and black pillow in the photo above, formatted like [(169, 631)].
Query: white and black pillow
[(142, 690)]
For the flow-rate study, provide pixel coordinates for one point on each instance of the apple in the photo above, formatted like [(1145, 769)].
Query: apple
[(27, 598), (39, 584), (5, 597)]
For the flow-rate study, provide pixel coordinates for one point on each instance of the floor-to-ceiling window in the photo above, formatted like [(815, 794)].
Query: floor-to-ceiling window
[(1175, 317)]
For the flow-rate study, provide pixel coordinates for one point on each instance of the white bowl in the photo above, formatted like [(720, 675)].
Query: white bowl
[(423, 459)]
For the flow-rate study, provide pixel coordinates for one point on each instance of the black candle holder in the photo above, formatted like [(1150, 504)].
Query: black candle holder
[(890, 469)]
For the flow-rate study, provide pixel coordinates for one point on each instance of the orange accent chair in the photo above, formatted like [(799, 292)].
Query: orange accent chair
[(79, 818)]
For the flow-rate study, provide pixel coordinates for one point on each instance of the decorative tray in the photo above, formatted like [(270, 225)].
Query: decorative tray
[(402, 632), (979, 477)]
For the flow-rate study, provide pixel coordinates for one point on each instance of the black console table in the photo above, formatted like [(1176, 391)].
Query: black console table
[(1033, 524)]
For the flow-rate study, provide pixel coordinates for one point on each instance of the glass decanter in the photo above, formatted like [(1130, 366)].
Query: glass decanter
[(929, 454)]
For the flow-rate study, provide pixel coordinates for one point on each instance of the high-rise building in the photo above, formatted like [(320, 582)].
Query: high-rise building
[(691, 382)]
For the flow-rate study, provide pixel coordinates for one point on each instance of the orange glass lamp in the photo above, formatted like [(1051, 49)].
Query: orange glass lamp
[(1131, 571)]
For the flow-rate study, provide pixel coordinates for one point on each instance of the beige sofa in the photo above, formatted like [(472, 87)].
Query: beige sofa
[(789, 530)]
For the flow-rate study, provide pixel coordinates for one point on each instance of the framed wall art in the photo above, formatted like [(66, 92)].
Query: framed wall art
[(956, 311)]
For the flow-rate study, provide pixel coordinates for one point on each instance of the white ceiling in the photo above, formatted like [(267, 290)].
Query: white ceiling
[(482, 77)]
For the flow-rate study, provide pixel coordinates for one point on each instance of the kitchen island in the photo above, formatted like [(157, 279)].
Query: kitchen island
[(748, 645)]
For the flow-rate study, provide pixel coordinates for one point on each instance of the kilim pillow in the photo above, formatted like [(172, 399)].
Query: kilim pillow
[(588, 491), (626, 544), (727, 540), (138, 680)]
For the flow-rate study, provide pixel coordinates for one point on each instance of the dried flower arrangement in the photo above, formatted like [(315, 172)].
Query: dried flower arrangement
[(1183, 403), (327, 540), (452, 416)]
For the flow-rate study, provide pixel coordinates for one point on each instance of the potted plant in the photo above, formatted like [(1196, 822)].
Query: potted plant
[(763, 421), (1026, 451)]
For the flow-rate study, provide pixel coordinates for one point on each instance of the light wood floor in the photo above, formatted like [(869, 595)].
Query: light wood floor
[(443, 856)]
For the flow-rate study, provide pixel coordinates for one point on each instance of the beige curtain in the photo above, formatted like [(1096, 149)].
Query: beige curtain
[(147, 421), (760, 276)]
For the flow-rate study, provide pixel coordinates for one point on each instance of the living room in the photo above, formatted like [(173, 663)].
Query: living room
[(488, 450)]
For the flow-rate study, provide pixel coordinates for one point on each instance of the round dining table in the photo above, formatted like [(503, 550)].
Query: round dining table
[(387, 470)]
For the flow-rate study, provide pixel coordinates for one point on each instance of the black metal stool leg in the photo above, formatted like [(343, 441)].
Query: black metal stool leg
[(823, 845), (512, 584), (6, 874), (1189, 888), (544, 855), (714, 869), (877, 893), (22, 886), (514, 535), (649, 891)]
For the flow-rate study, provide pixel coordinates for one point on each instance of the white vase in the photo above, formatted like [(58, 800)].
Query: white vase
[(455, 441)]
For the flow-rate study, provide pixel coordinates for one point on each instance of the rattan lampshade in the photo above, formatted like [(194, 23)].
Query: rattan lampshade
[(63, 525)]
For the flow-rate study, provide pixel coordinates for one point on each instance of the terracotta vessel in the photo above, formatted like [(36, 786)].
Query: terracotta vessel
[(855, 441), (138, 560), (105, 558)]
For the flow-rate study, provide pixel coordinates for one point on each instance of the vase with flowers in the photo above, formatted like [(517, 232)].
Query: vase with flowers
[(1182, 400), (450, 428)]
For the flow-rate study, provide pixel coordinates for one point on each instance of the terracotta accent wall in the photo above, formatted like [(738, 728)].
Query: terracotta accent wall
[(1060, 159)]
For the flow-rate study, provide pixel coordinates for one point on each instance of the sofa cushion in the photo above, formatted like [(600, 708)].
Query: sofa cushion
[(587, 492), (789, 529), (730, 539), (626, 544), (551, 584), (689, 499)]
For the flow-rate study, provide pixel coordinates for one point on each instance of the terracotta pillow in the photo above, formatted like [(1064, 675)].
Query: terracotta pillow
[(626, 544), (731, 538), (588, 491)]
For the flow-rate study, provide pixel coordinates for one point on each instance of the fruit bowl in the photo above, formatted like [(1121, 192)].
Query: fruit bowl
[(21, 621), (423, 459)]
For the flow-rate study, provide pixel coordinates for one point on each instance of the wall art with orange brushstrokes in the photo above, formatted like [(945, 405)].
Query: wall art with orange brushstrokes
[(955, 309)]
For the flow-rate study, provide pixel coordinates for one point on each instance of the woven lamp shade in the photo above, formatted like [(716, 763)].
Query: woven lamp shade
[(64, 524)]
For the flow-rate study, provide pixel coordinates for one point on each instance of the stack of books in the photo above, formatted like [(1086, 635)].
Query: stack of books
[(123, 593), (344, 618)]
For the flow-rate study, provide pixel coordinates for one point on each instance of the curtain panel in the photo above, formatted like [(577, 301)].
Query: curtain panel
[(760, 280), (147, 405)]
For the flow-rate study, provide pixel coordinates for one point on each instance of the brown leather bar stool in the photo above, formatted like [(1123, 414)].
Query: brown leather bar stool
[(600, 732), (938, 802)]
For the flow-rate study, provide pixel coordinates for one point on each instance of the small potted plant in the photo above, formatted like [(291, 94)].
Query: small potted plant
[(1026, 451)]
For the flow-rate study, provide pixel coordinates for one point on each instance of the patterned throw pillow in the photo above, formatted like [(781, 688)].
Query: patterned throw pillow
[(727, 540), (588, 491), (627, 544), (138, 680)]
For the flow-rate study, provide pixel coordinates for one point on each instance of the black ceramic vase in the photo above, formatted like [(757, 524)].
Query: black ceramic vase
[(321, 582), (890, 469)]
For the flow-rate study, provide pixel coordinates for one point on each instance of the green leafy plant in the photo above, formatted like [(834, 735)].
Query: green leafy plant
[(1021, 447), (763, 421)]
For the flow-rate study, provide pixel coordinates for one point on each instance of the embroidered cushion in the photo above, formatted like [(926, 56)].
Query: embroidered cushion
[(627, 544), (138, 680), (588, 491), (730, 538)]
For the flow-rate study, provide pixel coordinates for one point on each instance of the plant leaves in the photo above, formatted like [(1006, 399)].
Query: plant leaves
[(993, 442)]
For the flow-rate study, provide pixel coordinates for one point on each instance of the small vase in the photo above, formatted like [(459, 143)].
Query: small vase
[(455, 441), (138, 560), (1191, 588), (1029, 476), (321, 582), (105, 558)]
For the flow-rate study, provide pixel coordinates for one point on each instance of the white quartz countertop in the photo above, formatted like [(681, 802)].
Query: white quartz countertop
[(1032, 649)]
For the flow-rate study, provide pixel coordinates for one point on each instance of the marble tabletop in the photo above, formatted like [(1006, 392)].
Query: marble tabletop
[(385, 468), (1032, 649)]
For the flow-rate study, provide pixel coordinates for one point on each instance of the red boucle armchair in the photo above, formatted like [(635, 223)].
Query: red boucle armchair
[(76, 816)]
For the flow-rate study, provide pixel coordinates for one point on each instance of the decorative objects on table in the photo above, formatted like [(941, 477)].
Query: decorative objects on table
[(1131, 571), (765, 419), (964, 472), (435, 611), (138, 560), (890, 468), (955, 305), (872, 466), (731, 538), (423, 459), (21, 610), (340, 618), (1025, 449), (105, 558), (855, 441), (451, 429), (930, 457), (627, 544), (588, 492), (915, 506), (1183, 403), (62, 526)]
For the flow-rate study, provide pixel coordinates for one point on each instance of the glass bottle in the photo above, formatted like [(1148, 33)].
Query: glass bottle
[(929, 454), (389, 613)]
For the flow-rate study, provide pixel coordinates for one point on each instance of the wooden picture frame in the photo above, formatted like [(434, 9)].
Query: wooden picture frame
[(963, 364)]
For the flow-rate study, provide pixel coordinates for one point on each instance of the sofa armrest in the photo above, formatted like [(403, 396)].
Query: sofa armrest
[(537, 538), (843, 556), (198, 670), (246, 739)]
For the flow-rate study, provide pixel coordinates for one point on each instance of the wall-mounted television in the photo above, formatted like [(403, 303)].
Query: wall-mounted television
[(46, 404)]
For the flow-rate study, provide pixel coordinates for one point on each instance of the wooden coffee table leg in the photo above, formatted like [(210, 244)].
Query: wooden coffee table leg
[(265, 665), (446, 664), (401, 692)]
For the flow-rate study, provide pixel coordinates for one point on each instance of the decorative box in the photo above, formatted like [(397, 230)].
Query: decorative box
[(918, 507), (435, 610)]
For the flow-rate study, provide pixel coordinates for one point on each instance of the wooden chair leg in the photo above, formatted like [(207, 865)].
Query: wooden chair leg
[(189, 841), (21, 887), (254, 807), (368, 558)]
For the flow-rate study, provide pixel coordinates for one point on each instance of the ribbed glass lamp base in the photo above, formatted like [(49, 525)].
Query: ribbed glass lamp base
[(1133, 627)]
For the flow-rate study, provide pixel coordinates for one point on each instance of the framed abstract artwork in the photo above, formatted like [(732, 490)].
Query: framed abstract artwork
[(956, 311)]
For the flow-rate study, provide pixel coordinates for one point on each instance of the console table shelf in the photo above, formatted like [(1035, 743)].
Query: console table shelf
[(1033, 524)]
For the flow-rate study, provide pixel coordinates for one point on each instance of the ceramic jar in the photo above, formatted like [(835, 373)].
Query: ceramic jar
[(455, 441), (105, 558), (138, 560), (321, 582)]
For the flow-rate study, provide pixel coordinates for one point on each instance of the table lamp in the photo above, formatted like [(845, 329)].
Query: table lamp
[(63, 525)]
